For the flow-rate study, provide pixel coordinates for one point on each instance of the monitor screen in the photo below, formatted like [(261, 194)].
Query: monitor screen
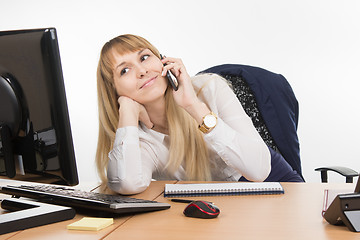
[(35, 142)]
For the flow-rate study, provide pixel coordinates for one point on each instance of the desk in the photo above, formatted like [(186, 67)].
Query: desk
[(293, 215)]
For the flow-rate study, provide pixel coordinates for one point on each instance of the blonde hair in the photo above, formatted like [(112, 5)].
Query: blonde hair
[(186, 141)]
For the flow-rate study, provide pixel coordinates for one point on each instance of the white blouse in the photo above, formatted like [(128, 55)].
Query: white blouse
[(235, 147)]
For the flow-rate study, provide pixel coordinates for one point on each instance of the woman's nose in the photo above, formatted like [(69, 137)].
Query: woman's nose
[(141, 70)]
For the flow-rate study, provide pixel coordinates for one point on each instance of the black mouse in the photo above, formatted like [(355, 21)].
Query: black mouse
[(201, 209)]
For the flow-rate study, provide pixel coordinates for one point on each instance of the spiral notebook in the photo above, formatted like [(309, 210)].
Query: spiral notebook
[(214, 189)]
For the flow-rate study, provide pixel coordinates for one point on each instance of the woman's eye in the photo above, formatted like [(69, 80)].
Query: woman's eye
[(143, 58), (123, 71)]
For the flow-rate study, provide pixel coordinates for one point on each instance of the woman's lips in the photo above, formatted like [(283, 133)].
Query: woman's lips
[(148, 82)]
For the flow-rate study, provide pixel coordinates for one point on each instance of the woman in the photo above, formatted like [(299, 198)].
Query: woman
[(150, 131)]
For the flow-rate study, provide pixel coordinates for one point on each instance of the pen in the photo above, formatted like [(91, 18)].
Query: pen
[(181, 200)]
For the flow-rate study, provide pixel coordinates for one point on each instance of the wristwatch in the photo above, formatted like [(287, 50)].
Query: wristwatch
[(208, 123)]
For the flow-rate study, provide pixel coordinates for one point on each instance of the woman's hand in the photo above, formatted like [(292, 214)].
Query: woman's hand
[(185, 96), (131, 112)]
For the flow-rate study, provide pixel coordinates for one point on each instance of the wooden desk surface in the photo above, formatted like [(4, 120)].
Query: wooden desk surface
[(293, 215), (59, 231)]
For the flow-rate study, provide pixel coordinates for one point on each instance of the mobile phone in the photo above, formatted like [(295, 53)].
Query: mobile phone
[(173, 81)]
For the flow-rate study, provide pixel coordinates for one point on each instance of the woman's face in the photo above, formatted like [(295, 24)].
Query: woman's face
[(137, 75)]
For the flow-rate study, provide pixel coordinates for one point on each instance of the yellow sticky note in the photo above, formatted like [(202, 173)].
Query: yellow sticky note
[(91, 224)]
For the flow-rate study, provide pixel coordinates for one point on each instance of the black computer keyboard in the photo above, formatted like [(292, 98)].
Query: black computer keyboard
[(67, 196)]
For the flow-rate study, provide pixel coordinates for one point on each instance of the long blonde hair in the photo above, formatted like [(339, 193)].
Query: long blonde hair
[(186, 141)]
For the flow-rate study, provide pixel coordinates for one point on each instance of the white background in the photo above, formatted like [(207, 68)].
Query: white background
[(315, 44)]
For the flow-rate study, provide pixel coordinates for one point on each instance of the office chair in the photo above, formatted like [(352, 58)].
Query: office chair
[(270, 102)]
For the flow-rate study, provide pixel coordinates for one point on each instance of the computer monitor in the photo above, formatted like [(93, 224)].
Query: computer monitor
[(35, 142)]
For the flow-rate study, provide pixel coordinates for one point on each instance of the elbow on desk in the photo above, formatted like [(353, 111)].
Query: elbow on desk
[(260, 172), (260, 176), (125, 188)]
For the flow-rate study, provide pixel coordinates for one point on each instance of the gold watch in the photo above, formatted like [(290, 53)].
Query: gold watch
[(209, 121)]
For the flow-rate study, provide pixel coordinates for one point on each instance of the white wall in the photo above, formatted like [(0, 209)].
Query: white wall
[(314, 44)]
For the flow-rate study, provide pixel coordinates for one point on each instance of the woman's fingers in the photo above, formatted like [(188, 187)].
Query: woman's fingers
[(175, 65), (131, 112)]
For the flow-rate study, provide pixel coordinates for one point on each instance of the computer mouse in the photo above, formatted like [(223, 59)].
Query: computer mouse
[(201, 209)]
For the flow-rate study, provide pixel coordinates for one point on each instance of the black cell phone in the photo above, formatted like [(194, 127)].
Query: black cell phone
[(173, 81)]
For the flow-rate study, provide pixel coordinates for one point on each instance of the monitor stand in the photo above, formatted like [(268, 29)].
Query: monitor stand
[(28, 214), (7, 149)]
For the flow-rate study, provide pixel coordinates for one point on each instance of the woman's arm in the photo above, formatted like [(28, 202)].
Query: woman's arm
[(235, 139), (129, 169), (185, 96)]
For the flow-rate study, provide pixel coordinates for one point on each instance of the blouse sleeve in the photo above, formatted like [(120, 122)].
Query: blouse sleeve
[(129, 169), (235, 138)]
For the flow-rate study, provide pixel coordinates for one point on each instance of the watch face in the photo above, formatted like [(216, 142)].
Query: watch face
[(210, 121)]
